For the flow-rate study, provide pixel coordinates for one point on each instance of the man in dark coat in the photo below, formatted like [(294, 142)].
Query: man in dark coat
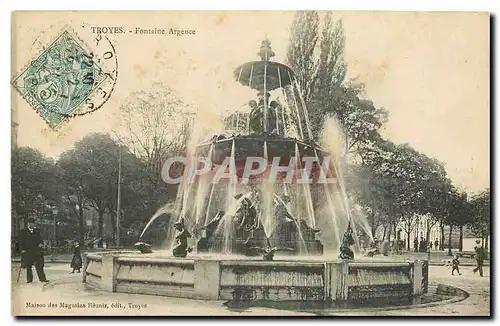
[(30, 242)]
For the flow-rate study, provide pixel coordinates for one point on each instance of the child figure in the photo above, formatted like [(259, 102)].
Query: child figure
[(455, 262), (76, 261)]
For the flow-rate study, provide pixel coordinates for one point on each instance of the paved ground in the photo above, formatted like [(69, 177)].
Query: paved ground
[(436, 257), (65, 291)]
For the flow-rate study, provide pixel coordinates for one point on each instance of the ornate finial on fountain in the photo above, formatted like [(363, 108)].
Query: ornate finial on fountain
[(347, 241), (266, 52)]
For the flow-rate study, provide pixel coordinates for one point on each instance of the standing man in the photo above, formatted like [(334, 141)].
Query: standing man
[(31, 243), (421, 247), (479, 258)]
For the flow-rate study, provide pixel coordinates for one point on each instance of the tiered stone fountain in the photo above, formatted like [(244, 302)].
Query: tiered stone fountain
[(256, 238)]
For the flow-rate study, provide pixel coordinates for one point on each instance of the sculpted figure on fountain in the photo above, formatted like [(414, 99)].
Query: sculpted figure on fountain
[(246, 216), (181, 249), (348, 240), (211, 226), (268, 251), (286, 223), (257, 114)]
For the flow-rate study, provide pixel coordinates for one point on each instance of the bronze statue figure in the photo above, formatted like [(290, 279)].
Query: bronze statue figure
[(286, 223), (143, 247), (212, 226), (181, 249), (348, 240), (267, 252), (246, 215)]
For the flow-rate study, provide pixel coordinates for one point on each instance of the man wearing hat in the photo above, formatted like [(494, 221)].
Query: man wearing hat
[(479, 257), (30, 241)]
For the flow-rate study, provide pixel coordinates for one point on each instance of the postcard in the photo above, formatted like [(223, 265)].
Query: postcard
[(256, 163)]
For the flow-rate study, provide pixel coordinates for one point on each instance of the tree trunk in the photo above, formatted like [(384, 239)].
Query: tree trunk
[(55, 233), (385, 231), (441, 241), (449, 241), (408, 241), (113, 225), (461, 242), (486, 244), (100, 230), (81, 226), (428, 236)]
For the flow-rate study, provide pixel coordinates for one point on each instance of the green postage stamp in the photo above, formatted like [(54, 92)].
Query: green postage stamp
[(67, 79)]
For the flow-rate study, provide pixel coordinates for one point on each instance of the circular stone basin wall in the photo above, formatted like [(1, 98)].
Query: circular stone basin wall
[(237, 279)]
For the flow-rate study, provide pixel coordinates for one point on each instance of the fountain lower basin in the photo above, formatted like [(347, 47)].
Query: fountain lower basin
[(222, 277)]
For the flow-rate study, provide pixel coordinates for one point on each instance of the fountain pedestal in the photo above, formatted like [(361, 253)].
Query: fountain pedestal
[(242, 242)]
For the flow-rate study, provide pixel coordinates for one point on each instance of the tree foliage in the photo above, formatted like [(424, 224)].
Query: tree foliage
[(400, 184), (34, 183), (157, 126), (480, 214), (323, 83), (392, 183), (85, 177), (89, 173), (300, 55)]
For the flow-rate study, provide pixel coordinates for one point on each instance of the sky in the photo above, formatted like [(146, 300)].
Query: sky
[(430, 71)]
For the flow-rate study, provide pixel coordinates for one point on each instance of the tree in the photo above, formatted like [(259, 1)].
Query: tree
[(455, 211), (88, 172), (332, 69), (70, 174), (323, 84), (157, 125), (35, 190), (359, 118), (408, 184), (372, 192), (300, 54), (331, 75), (90, 175), (463, 214), (480, 216), (383, 187)]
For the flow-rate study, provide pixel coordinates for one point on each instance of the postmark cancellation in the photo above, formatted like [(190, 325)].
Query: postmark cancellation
[(69, 78)]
